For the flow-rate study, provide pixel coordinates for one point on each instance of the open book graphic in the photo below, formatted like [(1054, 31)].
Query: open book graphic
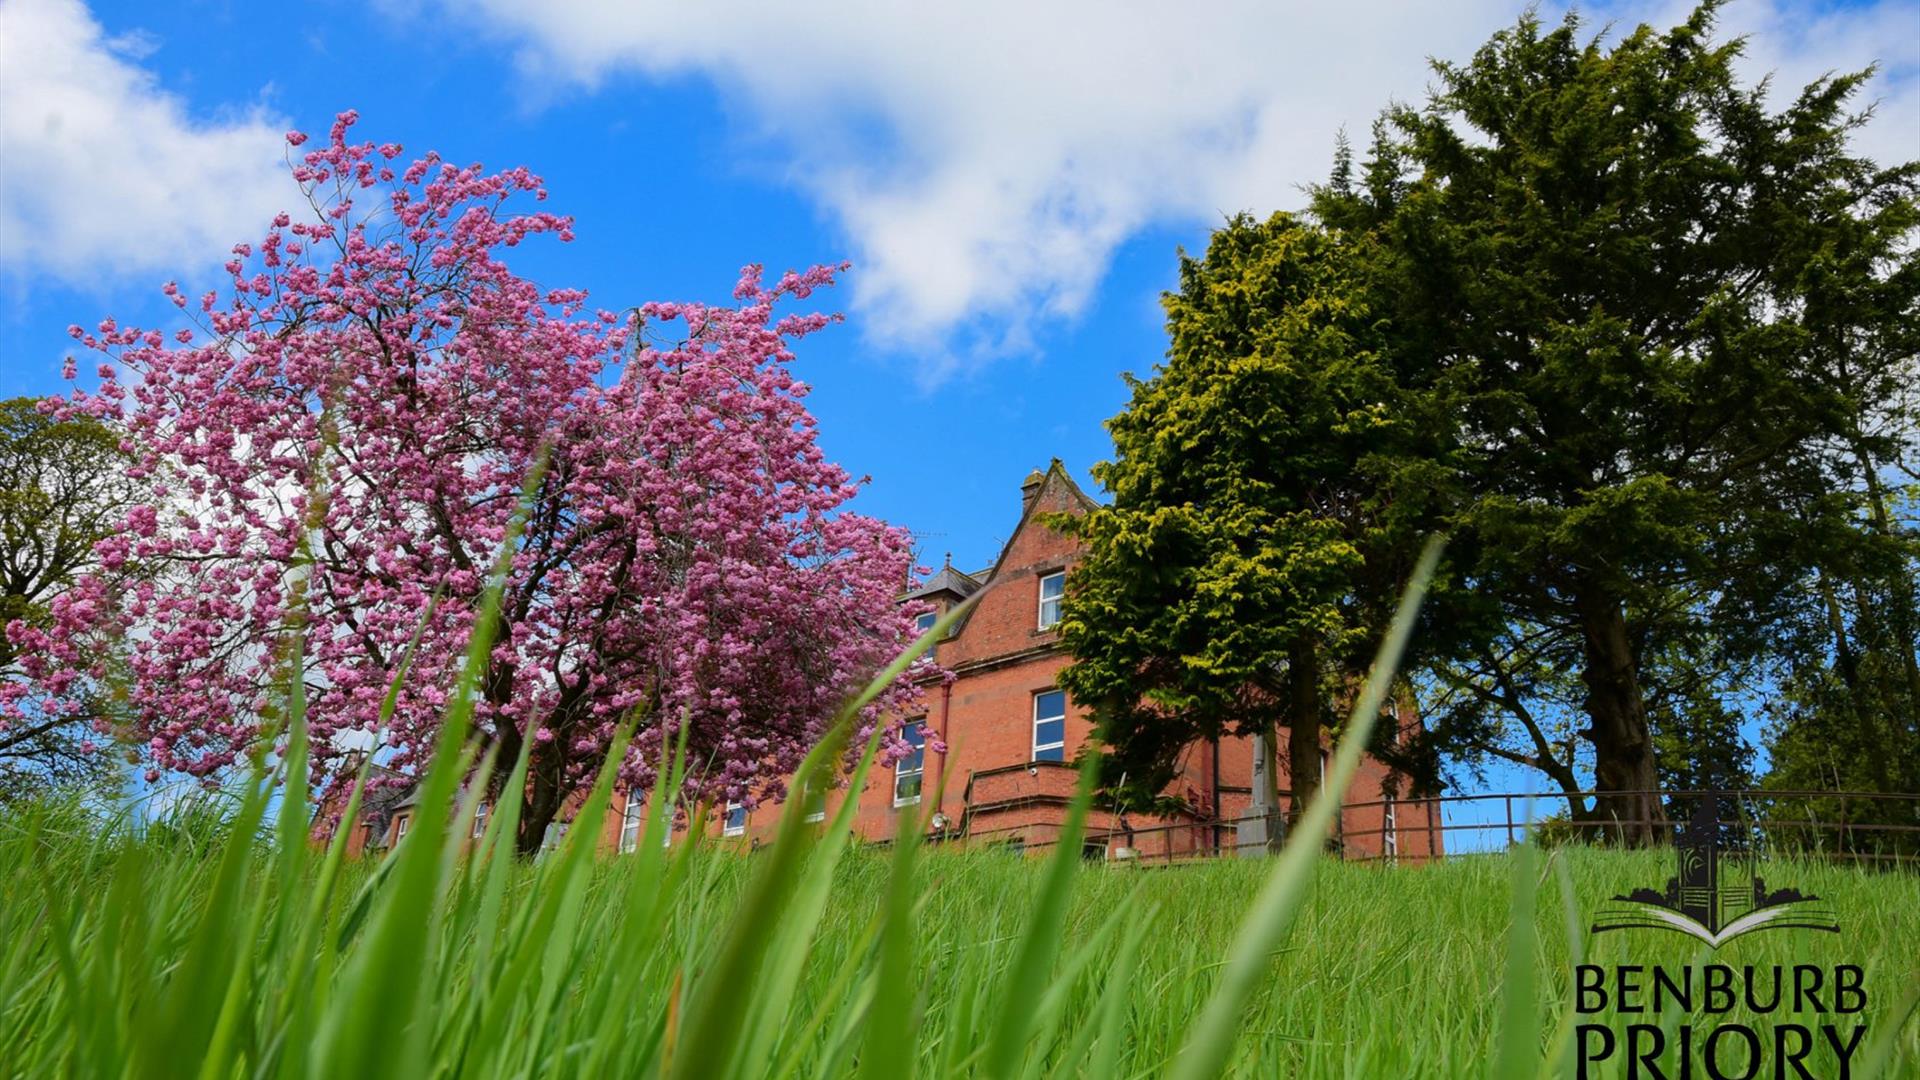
[(1659, 916)]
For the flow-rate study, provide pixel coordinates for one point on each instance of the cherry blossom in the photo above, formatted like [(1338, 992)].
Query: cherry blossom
[(376, 382)]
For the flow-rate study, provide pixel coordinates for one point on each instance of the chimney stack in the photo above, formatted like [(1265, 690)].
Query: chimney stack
[(1030, 490)]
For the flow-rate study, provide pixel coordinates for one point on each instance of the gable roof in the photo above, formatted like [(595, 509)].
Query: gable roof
[(1056, 473)]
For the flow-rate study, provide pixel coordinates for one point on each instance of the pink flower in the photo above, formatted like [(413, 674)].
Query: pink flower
[(715, 573)]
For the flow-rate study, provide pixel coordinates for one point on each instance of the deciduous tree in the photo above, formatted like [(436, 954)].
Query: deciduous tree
[(376, 369), (62, 490)]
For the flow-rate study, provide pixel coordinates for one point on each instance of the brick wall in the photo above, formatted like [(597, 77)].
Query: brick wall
[(1002, 658)]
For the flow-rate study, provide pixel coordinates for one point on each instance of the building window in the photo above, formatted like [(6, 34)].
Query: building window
[(400, 827), (630, 822), (1052, 587), (1389, 828), (909, 770), (924, 621), (815, 803), (480, 820), (1050, 726), (736, 823)]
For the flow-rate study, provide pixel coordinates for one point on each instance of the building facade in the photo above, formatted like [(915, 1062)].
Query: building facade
[(1010, 735)]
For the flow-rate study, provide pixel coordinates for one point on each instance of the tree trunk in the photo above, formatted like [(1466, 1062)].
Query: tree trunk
[(1303, 722), (536, 814), (1628, 806), (540, 804)]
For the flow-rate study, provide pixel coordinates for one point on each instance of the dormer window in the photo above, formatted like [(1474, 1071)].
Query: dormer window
[(924, 621), (1053, 588)]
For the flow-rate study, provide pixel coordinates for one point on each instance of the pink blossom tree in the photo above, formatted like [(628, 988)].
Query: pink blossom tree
[(376, 377)]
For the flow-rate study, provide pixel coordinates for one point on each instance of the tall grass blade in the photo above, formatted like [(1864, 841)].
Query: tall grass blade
[(1209, 1043), (1026, 979), (1516, 1050)]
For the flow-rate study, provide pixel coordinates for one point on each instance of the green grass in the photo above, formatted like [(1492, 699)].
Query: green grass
[(237, 951), (1387, 971)]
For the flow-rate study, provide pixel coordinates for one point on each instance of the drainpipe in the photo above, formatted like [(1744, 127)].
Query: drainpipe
[(1214, 773), (946, 705)]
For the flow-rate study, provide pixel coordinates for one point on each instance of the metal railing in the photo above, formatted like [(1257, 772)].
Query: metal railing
[(1873, 827)]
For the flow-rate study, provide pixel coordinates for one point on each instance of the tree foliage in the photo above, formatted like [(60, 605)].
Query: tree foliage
[(374, 389), (61, 491), (1660, 308), (1847, 714), (1641, 343), (1262, 477)]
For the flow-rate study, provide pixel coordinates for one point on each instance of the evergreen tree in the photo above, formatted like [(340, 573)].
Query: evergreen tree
[(1264, 491), (1661, 311)]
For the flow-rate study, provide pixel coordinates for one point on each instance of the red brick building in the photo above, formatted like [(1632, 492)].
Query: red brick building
[(1010, 734)]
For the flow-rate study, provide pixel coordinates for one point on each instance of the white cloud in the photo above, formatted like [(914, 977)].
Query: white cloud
[(103, 173), (985, 159)]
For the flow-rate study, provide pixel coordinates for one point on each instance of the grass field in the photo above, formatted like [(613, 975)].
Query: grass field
[(112, 966), (237, 950)]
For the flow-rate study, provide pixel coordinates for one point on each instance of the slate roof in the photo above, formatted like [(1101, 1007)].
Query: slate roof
[(947, 580)]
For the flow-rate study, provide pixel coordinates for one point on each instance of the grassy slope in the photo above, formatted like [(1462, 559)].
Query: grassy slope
[(235, 952), (1386, 972)]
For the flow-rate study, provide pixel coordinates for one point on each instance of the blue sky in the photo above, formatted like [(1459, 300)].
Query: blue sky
[(1011, 181)]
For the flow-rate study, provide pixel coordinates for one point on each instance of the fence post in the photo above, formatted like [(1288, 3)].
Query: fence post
[(1508, 799), (1433, 850)]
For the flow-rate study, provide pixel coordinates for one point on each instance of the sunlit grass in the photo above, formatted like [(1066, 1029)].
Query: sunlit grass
[(245, 953)]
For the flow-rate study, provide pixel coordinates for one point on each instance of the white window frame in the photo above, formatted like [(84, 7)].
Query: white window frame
[(919, 772), (400, 827), (1389, 826), (1056, 600), (727, 827), (480, 819), (1034, 731), (924, 621), (632, 821)]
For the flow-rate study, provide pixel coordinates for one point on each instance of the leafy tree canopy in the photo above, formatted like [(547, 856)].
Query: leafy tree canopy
[(62, 490), (353, 420), (1659, 309), (1261, 477)]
